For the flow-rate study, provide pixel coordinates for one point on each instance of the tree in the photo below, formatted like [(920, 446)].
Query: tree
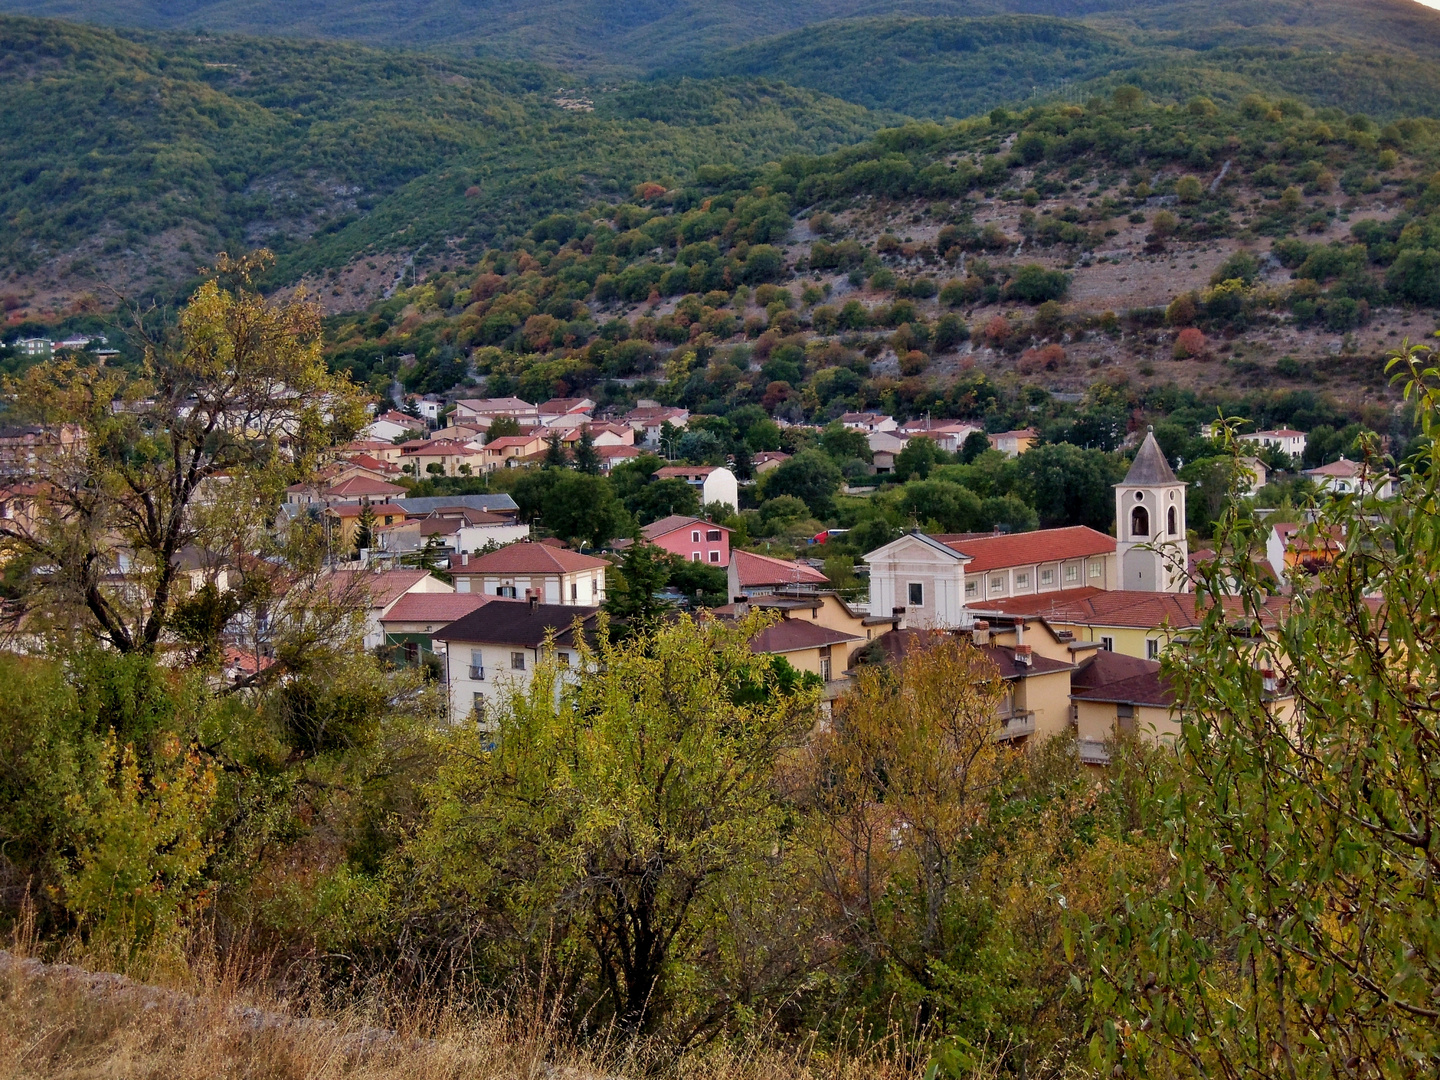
[(586, 458), (919, 456), (1296, 932), (952, 507), (581, 507), (661, 498), (633, 599), (810, 476), (975, 444), (844, 444), (501, 427), (237, 389), (554, 452), (1034, 284), (1070, 486), (365, 527)]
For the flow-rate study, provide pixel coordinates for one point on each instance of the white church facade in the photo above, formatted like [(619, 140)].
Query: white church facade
[(935, 581)]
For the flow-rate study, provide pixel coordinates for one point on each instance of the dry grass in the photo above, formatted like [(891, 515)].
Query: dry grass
[(58, 1021)]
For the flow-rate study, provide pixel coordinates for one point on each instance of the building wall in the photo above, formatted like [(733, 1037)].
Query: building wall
[(1097, 571), (584, 588), (496, 678), (721, 487), (1048, 697), (941, 589), (1125, 640), (474, 537), (1100, 720), (683, 542)]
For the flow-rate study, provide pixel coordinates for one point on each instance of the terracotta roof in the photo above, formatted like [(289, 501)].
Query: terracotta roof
[(770, 455), (1020, 433), (430, 447), (792, 635), (403, 419), (621, 451), (1142, 610), (674, 523), (383, 586), (432, 607), (1027, 549), (1345, 469), (1003, 657), (505, 441), (1150, 466), (1277, 433), (562, 405), (517, 622), (752, 569), (1038, 604), (524, 558), (480, 405), (358, 486), (1150, 688)]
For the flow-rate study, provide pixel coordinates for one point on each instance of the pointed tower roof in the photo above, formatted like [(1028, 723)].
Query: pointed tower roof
[(1150, 466)]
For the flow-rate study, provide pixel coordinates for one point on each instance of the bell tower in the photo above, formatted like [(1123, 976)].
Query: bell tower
[(1151, 546)]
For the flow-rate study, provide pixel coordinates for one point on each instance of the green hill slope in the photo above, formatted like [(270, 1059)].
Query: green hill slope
[(144, 157)]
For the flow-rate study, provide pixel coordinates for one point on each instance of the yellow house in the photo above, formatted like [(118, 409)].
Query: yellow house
[(808, 647), (345, 519), (827, 609)]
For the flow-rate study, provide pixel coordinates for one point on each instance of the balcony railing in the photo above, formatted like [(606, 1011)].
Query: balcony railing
[(1016, 725), (1092, 751), (477, 673)]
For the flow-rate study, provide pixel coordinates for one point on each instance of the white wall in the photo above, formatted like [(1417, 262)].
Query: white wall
[(721, 487)]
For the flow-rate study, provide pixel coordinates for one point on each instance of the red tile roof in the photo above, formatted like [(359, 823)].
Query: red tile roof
[(358, 486), (675, 523), (1143, 610), (434, 607), (792, 635), (526, 558), (752, 569), (1028, 549), (383, 586)]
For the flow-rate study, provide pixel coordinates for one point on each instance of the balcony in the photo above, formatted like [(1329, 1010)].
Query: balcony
[(1092, 752), (477, 673), (1016, 725)]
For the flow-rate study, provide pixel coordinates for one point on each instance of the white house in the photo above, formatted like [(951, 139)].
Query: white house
[(714, 483), (482, 411), (948, 435), (885, 447), (1346, 477), (868, 422), (495, 649), (382, 590), (554, 575), (1285, 440), (389, 426)]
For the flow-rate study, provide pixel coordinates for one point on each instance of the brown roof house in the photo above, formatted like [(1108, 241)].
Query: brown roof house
[(553, 575)]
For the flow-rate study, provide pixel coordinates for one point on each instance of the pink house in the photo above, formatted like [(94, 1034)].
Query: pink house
[(691, 538)]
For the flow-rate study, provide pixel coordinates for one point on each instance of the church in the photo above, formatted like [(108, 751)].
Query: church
[(937, 581)]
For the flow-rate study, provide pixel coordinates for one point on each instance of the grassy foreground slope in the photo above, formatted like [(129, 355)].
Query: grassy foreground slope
[(131, 161)]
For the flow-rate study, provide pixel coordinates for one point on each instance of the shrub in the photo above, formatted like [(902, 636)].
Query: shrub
[(1189, 343), (1034, 284)]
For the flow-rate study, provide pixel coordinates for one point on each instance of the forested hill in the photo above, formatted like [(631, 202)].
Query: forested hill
[(128, 162), (638, 36)]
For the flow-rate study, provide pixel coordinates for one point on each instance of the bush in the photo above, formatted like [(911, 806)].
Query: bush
[(1189, 343), (1034, 284)]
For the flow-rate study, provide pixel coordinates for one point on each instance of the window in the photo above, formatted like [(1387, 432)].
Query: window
[(695, 537), (506, 590), (574, 590), (825, 669), (971, 588), (1022, 579), (1096, 569), (1171, 520), (997, 582), (563, 659), (517, 661), (1047, 577), (714, 556), (713, 536), (917, 594), (694, 556), (477, 706), (412, 652), (1140, 522), (1125, 712), (594, 588), (1152, 649), (477, 664), (1072, 573), (1108, 644)]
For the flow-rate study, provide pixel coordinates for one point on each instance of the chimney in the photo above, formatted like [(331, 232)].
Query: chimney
[(980, 633), (465, 558), (1019, 632), (1268, 682), (1022, 655), (533, 595)]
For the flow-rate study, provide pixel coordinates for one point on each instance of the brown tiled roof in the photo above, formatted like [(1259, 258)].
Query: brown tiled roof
[(357, 486), (383, 586), (1150, 688), (1027, 549), (674, 522), (526, 558), (435, 607), (517, 622), (1003, 657), (1144, 610), (792, 635), (1105, 667), (1037, 604), (752, 569)]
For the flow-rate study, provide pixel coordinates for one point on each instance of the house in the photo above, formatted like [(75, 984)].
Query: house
[(354, 488), (410, 624), (808, 647), (23, 446), (752, 575), (948, 435), (483, 411), (428, 407), (381, 449), (381, 590), (499, 503), (1113, 695), (1014, 443), (34, 348), (344, 521), (494, 650), (868, 422), (1345, 477), (713, 483), (510, 450), (364, 465), (442, 457), (822, 606), (1254, 474), (1285, 440), (885, 447), (610, 456), (607, 434), (934, 579), (1291, 547), (20, 507), (553, 575), (690, 538), (389, 426), (647, 421), (557, 409), (766, 460), (463, 529)]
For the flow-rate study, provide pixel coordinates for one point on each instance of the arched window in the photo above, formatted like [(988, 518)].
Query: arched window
[(1171, 515), (1139, 522)]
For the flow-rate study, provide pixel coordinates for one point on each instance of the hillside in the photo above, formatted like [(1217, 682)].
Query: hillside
[(649, 35), (127, 162)]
